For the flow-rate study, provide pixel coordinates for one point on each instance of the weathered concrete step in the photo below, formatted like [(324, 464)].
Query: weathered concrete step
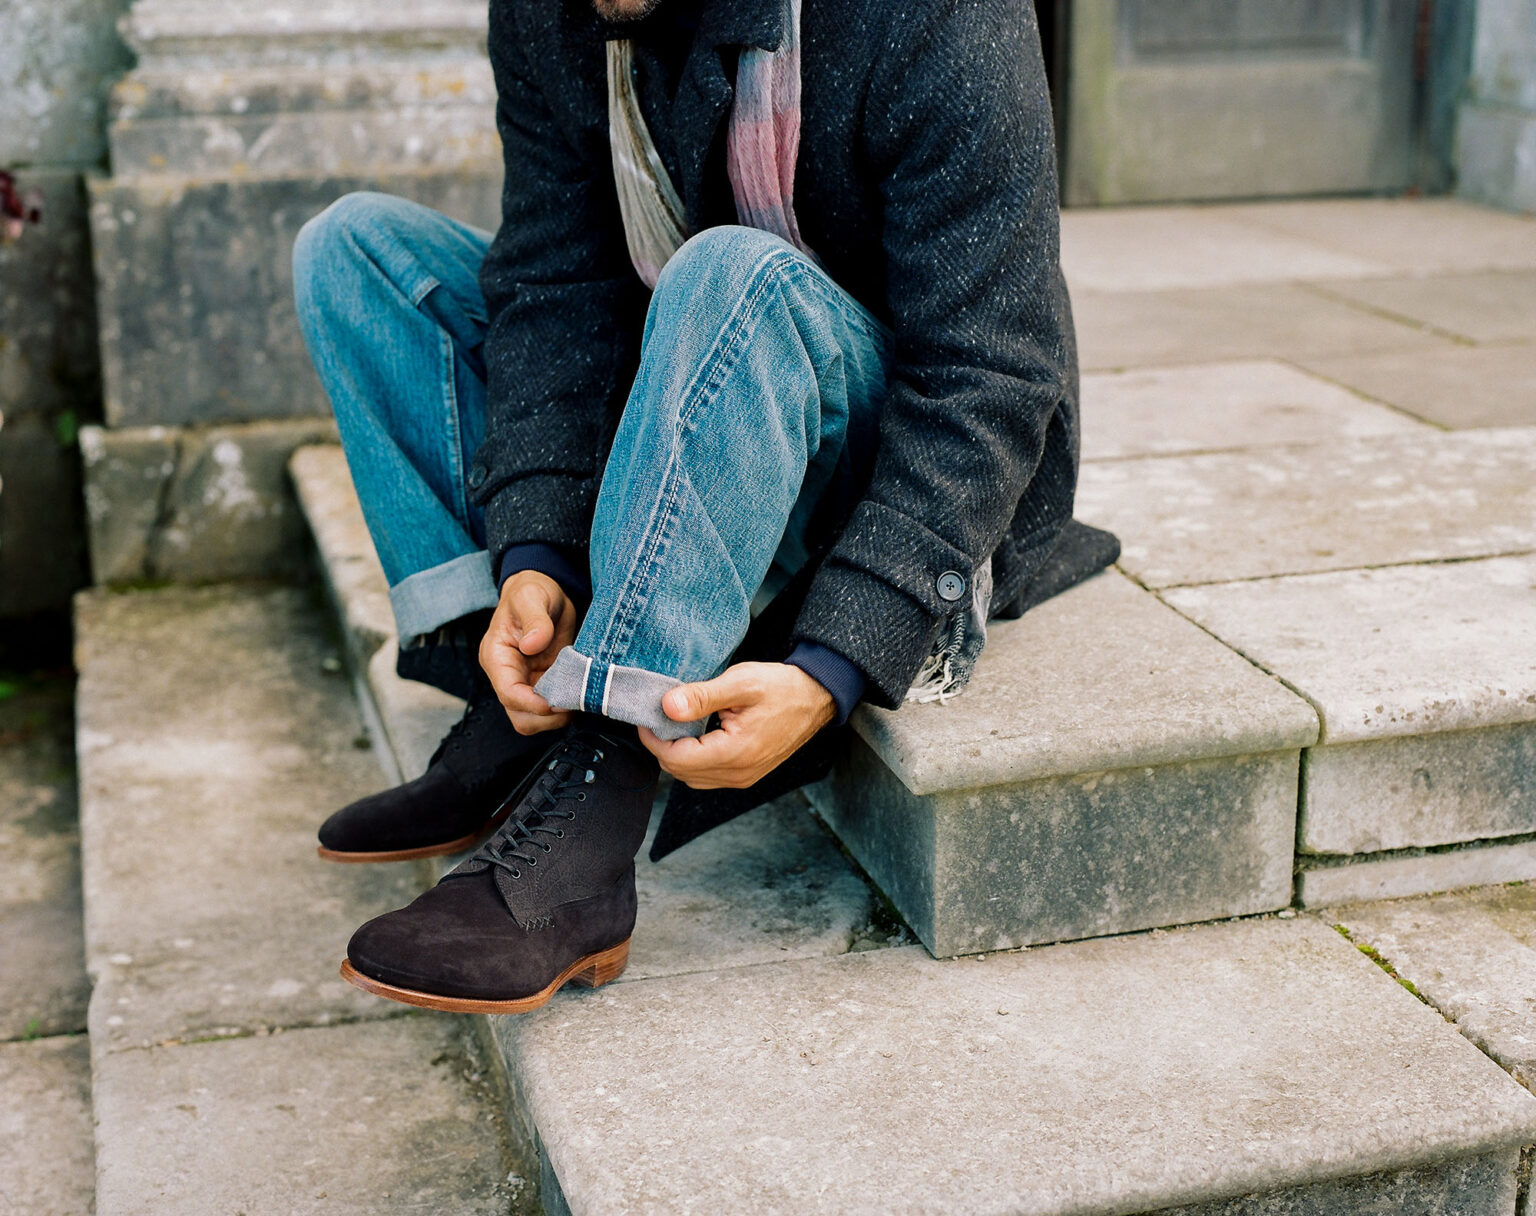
[(1424, 679), (45, 1127), (1259, 1066), (1111, 768), (1262, 1066), (232, 1069)]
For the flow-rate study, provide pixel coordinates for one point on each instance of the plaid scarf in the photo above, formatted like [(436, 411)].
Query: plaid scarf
[(762, 142)]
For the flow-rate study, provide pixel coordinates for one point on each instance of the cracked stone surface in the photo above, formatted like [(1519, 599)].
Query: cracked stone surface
[(46, 1161), (195, 505), (216, 786), (1262, 1056), (1472, 954)]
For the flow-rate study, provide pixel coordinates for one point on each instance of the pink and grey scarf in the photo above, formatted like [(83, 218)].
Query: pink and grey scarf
[(762, 142)]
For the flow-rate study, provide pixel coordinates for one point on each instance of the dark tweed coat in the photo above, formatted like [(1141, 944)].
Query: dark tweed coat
[(926, 182)]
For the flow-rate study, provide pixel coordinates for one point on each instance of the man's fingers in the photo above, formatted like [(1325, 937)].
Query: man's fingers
[(731, 689), (533, 626), (705, 762)]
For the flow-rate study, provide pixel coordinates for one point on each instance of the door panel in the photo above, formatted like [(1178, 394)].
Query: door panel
[(1205, 99)]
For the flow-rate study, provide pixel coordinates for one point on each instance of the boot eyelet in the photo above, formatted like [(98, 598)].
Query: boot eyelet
[(560, 834), (517, 873), (581, 797), (589, 778), (597, 757), (533, 861)]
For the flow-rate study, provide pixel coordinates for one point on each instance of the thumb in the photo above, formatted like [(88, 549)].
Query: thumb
[(534, 626), (730, 690)]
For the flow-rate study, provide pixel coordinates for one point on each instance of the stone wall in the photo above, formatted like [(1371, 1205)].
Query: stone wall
[(236, 125), (57, 60), (1496, 145)]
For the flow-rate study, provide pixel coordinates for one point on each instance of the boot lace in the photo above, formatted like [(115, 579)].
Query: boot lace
[(461, 732), (570, 770)]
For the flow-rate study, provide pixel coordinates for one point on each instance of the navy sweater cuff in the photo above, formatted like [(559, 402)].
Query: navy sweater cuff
[(557, 563), (833, 672)]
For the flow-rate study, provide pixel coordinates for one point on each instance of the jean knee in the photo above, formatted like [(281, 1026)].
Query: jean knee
[(341, 233), (721, 263)]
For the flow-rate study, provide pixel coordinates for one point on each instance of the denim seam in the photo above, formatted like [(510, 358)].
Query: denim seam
[(703, 388), (450, 390)]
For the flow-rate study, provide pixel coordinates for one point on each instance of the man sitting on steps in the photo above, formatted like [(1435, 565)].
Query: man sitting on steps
[(738, 420)]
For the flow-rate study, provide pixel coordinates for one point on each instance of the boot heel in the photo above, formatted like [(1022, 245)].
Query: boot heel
[(603, 968)]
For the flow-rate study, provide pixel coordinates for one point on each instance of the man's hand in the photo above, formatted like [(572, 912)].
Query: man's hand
[(534, 621), (767, 711)]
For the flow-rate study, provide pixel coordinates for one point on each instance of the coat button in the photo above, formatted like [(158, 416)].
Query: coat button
[(951, 585), (477, 476)]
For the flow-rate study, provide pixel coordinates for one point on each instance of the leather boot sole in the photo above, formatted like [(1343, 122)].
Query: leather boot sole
[(430, 850), (593, 971)]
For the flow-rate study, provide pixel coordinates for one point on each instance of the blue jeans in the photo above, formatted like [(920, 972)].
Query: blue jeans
[(754, 368)]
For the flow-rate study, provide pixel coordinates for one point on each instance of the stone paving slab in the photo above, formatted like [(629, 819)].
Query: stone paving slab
[(1209, 407), (1424, 678), (1457, 387), (43, 985), (1157, 248), (1100, 677), (207, 911), (1472, 954), (1266, 1058), (348, 562), (1480, 306), (1410, 236), (46, 1163), (1248, 321), (1406, 650), (377, 1118), (1399, 876), (1299, 510)]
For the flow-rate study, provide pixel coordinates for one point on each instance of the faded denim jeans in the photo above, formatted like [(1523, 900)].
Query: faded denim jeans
[(753, 365)]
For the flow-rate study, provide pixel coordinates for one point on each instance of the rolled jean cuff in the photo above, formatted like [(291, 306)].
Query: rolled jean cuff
[(431, 598), (627, 694)]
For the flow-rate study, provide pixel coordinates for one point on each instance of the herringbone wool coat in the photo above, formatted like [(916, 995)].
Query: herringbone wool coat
[(926, 183)]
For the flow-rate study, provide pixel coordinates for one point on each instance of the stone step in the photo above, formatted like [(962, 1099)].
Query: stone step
[(1262, 1065), (1259, 1066), (232, 1069), (1111, 768), (1372, 577)]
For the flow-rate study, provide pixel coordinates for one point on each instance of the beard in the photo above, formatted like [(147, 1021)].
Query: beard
[(624, 10)]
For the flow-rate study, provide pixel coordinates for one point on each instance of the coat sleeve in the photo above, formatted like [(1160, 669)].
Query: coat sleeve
[(959, 137), (564, 310)]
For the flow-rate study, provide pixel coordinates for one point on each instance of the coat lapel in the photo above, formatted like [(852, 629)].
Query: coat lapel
[(705, 92)]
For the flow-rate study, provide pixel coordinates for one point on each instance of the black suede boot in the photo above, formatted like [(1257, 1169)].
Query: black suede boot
[(455, 804), (549, 899), (448, 658)]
